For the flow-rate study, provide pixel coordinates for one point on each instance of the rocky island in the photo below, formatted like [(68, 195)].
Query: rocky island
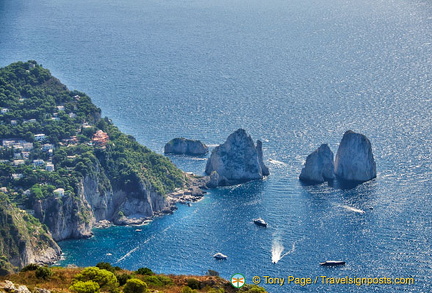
[(354, 161), (235, 161), (64, 168), (319, 166), (184, 146)]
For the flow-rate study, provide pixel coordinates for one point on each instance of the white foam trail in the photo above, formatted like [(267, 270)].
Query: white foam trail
[(353, 209), (276, 162), (277, 249)]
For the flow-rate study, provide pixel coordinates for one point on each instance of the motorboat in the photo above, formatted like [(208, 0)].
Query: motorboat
[(332, 263), (260, 222), (220, 256)]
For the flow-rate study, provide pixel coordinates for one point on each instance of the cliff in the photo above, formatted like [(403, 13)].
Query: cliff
[(71, 168), (183, 146), (23, 239), (237, 160), (319, 166), (354, 159)]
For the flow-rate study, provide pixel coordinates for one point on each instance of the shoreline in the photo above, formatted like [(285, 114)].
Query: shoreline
[(193, 192)]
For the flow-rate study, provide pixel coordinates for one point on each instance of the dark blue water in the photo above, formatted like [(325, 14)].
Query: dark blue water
[(292, 73)]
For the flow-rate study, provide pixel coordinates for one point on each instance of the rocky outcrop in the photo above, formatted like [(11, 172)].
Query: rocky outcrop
[(97, 201), (23, 240), (183, 146), (354, 159), (237, 160), (319, 166)]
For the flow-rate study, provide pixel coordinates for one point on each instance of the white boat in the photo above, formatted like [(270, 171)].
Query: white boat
[(138, 230), (220, 256), (332, 263), (260, 222)]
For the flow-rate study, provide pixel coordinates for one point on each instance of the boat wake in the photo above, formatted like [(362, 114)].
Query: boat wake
[(278, 248), (276, 162), (353, 209)]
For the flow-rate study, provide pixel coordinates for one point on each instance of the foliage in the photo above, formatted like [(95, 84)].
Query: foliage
[(252, 289), (144, 271), (106, 266), (135, 286), (44, 273), (106, 279), (122, 278), (158, 280), (30, 267), (193, 283), (187, 289), (85, 287)]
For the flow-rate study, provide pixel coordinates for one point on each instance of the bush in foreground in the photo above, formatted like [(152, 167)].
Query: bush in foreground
[(85, 287), (135, 286)]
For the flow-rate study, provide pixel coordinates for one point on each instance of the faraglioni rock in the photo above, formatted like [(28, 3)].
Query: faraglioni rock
[(237, 160), (354, 159), (184, 146), (319, 166)]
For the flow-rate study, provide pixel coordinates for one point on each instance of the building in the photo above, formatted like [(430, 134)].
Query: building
[(4, 110), (40, 137), (38, 163), (48, 146), (17, 176), (59, 192), (61, 108), (100, 138), (18, 162), (14, 122), (49, 167)]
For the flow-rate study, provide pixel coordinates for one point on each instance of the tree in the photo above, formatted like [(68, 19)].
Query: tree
[(85, 287), (135, 286), (43, 273)]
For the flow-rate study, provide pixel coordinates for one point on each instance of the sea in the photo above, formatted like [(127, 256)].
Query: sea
[(294, 74)]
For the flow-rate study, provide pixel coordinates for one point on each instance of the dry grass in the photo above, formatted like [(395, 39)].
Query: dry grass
[(62, 278)]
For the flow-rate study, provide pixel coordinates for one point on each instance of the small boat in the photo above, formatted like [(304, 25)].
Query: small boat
[(332, 263), (138, 230), (220, 256), (260, 222)]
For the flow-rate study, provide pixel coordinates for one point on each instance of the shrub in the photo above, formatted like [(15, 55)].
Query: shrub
[(106, 279), (44, 273), (85, 287), (135, 286), (144, 271), (187, 289), (106, 266), (193, 283), (30, 267), (122, 279)]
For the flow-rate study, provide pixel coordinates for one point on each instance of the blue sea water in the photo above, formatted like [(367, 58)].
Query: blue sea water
[(294, 74)]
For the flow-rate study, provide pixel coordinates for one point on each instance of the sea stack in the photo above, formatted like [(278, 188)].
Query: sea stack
[(237, 160), (319, 166), (184, 146), (354, 159)]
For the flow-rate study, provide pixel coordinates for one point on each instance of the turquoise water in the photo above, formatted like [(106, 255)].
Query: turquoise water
[(294, 74)]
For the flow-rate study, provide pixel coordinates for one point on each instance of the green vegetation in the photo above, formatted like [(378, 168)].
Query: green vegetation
[(85, 287), (135, 286), (94, 279), (43, 273), (52, 139), (33, 102)]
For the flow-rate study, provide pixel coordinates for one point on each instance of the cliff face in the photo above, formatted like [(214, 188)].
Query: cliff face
[(354, 159), (236, 160), (319, 166), (23, 240), (74, 217)]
